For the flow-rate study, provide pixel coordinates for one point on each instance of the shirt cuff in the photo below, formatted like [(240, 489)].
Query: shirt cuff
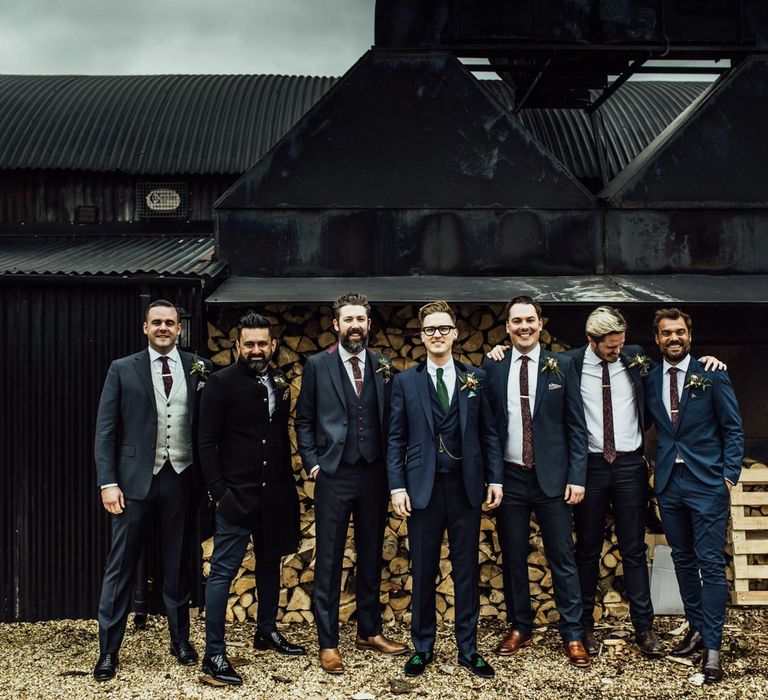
[(314, 470), (501, 485), (726, 478), (394, 491), (106, 486)]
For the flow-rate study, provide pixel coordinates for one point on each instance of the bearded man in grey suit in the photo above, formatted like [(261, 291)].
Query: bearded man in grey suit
[(143, 454)]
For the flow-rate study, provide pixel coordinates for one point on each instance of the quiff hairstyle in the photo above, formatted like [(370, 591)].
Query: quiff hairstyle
[(522, 300), (603, 321), (351, 299), (436, 307), (253, 320), (673, 314), (161, 302)]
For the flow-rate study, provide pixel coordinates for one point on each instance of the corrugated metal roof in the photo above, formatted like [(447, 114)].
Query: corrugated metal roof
[(202, 124), (124, 255), (163, 124)]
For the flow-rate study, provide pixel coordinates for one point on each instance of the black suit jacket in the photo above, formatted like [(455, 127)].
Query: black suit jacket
[(126, 422), (321, 413), (245, 456)]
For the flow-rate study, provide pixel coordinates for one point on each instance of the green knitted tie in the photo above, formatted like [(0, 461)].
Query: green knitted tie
[(442, 391)]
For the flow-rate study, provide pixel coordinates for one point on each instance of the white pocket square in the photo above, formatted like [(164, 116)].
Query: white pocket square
[(554, 386)]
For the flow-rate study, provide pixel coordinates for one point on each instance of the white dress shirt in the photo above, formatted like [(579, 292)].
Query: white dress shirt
[(266, 380), (346, 356), (449, 376), (665, 377), (626, 423), (513, 450)]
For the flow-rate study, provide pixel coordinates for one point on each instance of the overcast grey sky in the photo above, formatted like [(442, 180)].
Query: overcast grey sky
[(310, 37)]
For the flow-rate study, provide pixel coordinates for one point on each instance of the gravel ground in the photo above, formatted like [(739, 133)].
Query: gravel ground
[(55, 660)]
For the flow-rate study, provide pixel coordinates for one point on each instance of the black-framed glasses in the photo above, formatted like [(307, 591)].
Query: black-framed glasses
[(431, 330)]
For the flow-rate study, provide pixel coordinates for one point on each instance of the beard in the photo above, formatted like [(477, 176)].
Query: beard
[(255, 365), (356, 345), (676, 358)]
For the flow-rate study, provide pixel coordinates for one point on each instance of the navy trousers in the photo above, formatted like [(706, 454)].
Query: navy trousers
[(522, 494), (622, 486), (230, 542), (695, 520)]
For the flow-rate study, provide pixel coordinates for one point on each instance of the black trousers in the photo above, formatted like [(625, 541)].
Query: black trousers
[(447, 508), (359, 490), (623, 486), (170, 498), (522, 494)]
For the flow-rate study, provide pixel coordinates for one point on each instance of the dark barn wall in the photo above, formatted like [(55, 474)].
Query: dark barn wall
[(58, 342)]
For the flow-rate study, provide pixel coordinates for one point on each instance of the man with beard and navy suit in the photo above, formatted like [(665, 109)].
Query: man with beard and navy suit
[(701, 450), (143, 454), (540, 418), (341, 429), (444, 460), (245, 455)]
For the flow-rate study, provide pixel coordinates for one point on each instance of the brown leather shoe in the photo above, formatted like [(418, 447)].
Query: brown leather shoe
[(330, 661), (577, 654), (512, 642), (380, 643)]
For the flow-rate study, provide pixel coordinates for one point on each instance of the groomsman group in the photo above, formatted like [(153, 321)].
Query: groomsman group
[(560, 435)]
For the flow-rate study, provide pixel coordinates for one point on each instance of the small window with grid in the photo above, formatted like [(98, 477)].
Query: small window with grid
[(162, 200)]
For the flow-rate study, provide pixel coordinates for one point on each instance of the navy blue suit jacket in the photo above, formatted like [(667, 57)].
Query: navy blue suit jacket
[(560, 444), (709, 435), (412, 451)]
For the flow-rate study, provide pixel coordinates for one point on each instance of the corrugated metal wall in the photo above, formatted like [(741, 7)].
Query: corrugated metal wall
[(56, 346)]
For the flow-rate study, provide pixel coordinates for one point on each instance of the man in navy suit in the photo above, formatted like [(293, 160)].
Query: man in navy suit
[(701, 449), (341, 428), (443, 461), (540, 418), (143, 454)]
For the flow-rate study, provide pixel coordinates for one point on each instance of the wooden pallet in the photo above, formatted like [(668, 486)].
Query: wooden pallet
[(741, 523)]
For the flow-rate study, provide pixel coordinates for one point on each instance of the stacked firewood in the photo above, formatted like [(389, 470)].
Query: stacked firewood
[(305, 330)]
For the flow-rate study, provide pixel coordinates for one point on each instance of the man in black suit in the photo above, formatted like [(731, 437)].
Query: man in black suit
[(444, 460), (341, 428), (611, 376), (245, 457), (143, 454), (540, 419)]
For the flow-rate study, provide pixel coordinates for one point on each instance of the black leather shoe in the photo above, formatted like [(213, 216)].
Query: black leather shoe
[(690, 644), (416, 665), (590, 642), (649, 644), (477, 665), (276, 642), (710, 666), (219, 668), (185, 653), (105, 667)]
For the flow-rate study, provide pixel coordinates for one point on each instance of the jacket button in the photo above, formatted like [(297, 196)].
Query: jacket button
[(264, 463), (263, 442), (263, 484), (265, 400)]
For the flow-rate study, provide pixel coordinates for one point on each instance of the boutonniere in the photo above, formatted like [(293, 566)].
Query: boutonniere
[(642, 362), (199, 370), (469, 382), (697, 382), (280, 381), (384, 368), (551, 364)]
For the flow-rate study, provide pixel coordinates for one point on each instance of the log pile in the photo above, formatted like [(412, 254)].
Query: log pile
[(305, 330)]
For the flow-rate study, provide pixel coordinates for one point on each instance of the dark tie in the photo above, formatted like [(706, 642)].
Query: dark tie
[(609, 441), (674, 398), (442, 390), (357, 374), (525, 409), (167, 376)]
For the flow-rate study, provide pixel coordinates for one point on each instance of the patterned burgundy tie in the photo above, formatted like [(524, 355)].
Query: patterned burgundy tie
[(357, 374), (167, 376), (674, 398), (609, 441), (525, 409)]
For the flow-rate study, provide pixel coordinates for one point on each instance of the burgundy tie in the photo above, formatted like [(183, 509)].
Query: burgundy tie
[(674, 398), (356, 374), (167, 376), (525, 409), (609, 441)]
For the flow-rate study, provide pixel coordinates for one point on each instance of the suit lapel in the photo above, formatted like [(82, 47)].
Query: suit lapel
[(637, 385), (332, 361), (506, 368), (378, 380), (692, 369), (462, 397), (578, 360), (143, 368), (541, 380), (423, 393), (658, 386)]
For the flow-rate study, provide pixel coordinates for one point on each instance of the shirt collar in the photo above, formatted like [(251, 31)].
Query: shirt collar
[(432, 367), (346, 355), (534, 354), (172, 355), (682, 365), (591, 358)]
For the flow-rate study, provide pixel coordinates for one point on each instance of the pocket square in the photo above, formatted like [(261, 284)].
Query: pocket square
[(554, 386)]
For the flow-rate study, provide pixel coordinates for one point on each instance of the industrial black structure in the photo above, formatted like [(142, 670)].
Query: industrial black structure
[(414, 174)]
